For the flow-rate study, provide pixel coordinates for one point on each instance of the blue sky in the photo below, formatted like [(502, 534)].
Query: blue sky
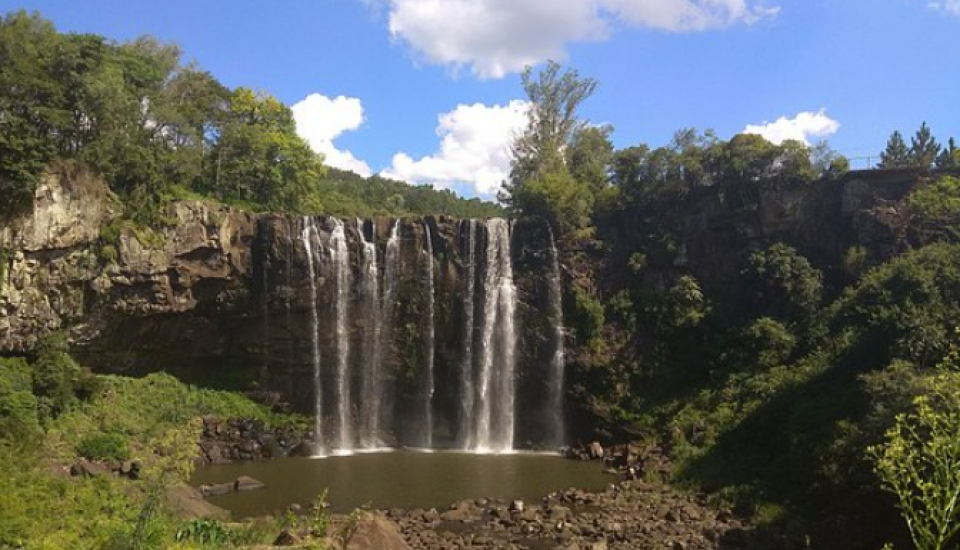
[(428, 90)]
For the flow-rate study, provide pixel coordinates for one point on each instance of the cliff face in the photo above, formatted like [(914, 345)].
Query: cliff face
[(711, 234), (226, 297)]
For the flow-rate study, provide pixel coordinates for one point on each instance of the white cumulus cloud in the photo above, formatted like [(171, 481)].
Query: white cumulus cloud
[(802, 127), (949, 6), (496, 37), (320, 120), (474, 148)]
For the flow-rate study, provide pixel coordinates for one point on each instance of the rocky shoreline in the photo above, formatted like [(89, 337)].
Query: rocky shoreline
[(629, 515), (224, 441)]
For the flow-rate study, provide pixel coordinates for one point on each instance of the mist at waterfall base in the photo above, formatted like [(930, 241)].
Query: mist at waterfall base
[(375, 315)]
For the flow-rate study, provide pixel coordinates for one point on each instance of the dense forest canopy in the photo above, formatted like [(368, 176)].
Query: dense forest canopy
[(156, 128)]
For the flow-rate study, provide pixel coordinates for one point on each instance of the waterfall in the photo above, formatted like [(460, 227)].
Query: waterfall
[(465, 432), (309, 227), (396, 286), (429, 383), (340, 257), (555, 379), (496, 391), (372, 357)]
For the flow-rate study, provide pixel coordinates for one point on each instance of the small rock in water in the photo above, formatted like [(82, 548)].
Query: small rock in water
[(217, 489), (516, 506), (247, 483)]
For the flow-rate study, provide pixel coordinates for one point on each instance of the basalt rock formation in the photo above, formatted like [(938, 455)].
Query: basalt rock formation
[(362, 322), (425, 332)]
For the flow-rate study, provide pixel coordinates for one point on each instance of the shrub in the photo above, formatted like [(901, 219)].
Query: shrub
[(769, 341), (920, 463), (783, 283), (203, 531), (58, 381), (18, 405), (104, 446)]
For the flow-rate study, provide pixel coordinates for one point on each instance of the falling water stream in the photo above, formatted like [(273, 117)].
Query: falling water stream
[(340, 257), (465, 431), (429, 345), (310, 229), (361, 328), (556, 374)]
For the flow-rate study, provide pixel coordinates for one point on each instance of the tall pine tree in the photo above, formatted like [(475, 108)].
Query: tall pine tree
[(923, 148), (896, 155), (949, 157)]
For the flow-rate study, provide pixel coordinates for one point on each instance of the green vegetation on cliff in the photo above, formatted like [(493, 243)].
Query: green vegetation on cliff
[(156, 128), (764, 348)]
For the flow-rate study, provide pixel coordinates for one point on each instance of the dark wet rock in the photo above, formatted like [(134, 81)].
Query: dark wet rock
[(215, 489), (287, 537), (246, 483)]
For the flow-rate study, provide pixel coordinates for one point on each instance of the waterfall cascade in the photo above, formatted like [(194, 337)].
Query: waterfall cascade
[(368, 330), (496, 384), (556, 374), (309, 236), (371, 352), (465, 434), (340, 258), (429, 352)]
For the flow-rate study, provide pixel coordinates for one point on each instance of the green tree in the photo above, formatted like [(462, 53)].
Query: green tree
[(935, 208), (924, 148), (589, 157), (949, 157), (541, 182), (919, 462), (28, 99), (828, 163), (627, 170), (896, 155), (783, 283), (260, 158), (552, 122)]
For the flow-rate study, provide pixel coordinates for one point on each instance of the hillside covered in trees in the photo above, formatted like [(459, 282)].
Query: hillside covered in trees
[(156, 128)]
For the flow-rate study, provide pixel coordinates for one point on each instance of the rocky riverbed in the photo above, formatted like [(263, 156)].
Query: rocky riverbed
[(630, 515)]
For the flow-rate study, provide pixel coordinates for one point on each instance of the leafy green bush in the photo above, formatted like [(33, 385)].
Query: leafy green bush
[(18, 404), (903, 309), (770, 342), (936, 210), (203, 531), (783, 283), (587, 315), (105, 446), (919, 462), (58, 381)]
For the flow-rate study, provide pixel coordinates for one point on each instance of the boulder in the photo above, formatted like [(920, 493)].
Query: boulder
[(287, 537), (247, 483), (85, 468), (375, 532), (189, 504), (216, 489)]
